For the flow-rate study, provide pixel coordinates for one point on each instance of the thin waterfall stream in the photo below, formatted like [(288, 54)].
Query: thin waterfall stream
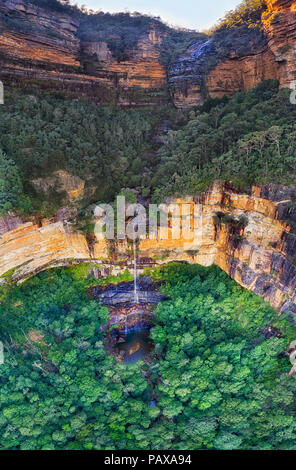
[(135, 274), (131, 314)]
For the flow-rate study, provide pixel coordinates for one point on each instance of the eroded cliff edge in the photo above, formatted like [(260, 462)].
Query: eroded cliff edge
[(49, 49), (252, 237), (238, 60), (45, 48)]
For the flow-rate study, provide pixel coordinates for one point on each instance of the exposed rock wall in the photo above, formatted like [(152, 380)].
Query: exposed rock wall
[(9, 222), (31, 248), (280, 26), (42, 48), (251, 237), (72, 186), (259, 253), (241, 73), (204, 71), (228, 62)]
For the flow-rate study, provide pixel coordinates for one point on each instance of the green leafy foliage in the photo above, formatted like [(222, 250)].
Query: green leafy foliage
[(217, 381), (11, 189), (104, 146), (250, 139), (248, 12), (240, 32)]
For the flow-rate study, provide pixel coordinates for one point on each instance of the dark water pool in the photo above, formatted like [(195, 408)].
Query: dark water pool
[(137, 346)]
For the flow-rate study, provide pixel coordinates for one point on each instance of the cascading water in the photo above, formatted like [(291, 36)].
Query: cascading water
[(136, 295), (125, 327), (131, 315)]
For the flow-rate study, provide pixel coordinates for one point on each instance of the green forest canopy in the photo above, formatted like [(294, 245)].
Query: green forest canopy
[(218, 372), (248, 139)]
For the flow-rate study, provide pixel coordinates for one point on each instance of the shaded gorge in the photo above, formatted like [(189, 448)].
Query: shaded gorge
[(131, 316)]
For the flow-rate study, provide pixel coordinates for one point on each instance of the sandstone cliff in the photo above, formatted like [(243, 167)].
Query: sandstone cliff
[(250, 236), (50, 49), (32, 248), (248, 57), (42, 47), (280, 27)]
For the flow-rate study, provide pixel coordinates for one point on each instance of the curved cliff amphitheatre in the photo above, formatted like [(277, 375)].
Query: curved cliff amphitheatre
[(164, 339), (258, 255)]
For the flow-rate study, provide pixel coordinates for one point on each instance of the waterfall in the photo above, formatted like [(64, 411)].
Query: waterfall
[(125, 327), (136, 295)]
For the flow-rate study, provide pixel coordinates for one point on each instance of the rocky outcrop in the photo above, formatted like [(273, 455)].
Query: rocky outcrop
[(187, 74), (234, 61), (280, 26), (142, 72), (63, 182), (10, 222), (241, 74), (259, 254), (40, 47), (31, 248), (32, 34), (45, 48), (204, 71), (252, 237)]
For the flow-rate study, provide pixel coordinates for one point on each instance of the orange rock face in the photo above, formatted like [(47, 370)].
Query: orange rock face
[(50, 51), (189, 98), (240, 233), (32, 248), (280, 27), (275, 58), (241, 74), (12, 45)]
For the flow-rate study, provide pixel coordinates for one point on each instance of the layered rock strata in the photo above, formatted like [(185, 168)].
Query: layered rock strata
[(247, 58), (44, 48), (252, 237), (40, 47)]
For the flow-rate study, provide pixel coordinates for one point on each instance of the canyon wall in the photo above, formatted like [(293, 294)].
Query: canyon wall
[(41, 47), (252, 237), (45, 48), (280, 28), (237, 61), (221, 67), (31, 248)]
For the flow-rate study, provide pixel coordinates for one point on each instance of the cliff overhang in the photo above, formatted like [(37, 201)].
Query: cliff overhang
[(252, 237)]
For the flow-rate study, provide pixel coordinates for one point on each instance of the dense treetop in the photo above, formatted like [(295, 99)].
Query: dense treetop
[(218, 372), (249, 139), (248, 12)]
